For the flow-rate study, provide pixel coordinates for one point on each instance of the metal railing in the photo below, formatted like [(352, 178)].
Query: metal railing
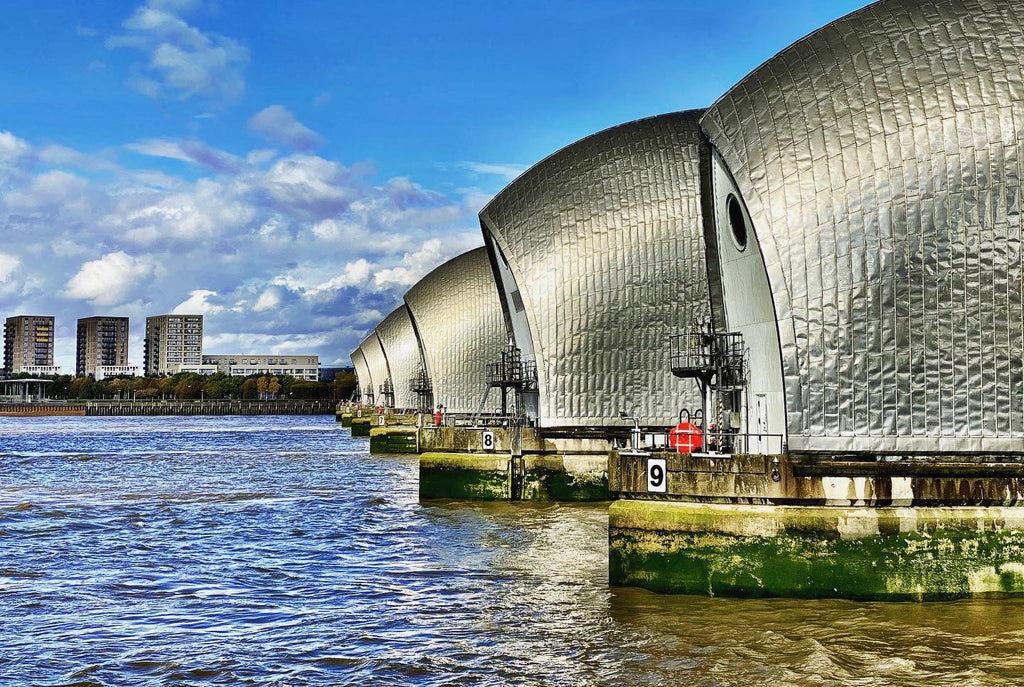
[(511, 371), (484, 420), (708, 355), (725, 443)]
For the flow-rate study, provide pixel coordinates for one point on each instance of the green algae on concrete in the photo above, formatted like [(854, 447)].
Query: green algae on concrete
[(488, 476), (465, 476), (801, 551), (360, 426), (544, 484), (393, 440)]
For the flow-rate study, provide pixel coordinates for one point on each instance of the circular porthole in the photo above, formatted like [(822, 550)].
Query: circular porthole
[(736, 221)]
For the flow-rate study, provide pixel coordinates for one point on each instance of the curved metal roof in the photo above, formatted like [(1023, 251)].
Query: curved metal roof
[(363, 379), (402, 350), (457, 315), (880, 161), (604, 242), (376, 363)]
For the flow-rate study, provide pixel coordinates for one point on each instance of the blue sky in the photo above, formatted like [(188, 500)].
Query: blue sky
[(290, 169)]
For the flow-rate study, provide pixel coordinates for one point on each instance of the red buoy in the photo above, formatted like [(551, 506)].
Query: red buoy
[(685, 437)]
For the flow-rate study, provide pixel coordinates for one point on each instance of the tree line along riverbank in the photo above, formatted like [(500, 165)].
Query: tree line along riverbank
[(126, 408), (188, 386)]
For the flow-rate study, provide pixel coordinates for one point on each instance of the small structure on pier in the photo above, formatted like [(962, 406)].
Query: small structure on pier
[(421, 386), (512, 373), (24, 390)]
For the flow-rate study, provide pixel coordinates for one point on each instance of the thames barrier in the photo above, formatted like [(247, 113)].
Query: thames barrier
[(784, 335)]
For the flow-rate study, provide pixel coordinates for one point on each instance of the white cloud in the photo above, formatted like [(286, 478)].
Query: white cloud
[(246, 343), (268, 300), (507, 170), (181, 60), (414, 266), (108, 280), (159, 148), (192, 151), (308, 186), (205, 212), (62, 156), (278, 124), (198, 303), (8, 263), (15, 155), (57, 190)]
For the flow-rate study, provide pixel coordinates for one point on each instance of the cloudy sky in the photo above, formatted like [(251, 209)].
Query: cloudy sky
[(290, 169)]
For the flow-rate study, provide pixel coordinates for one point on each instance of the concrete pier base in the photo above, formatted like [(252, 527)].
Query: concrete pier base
[(458, 463), (919, 553), (465, 476), (499, 477), (395, 439), (360, 426)]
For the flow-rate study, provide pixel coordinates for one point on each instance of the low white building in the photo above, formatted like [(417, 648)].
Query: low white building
[(104, 371), (305, 367), (39, 370), (198, 369)]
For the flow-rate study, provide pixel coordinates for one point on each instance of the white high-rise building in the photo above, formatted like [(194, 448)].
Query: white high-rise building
[(172, 342)]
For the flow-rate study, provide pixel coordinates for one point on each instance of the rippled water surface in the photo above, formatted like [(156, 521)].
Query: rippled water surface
[(276, 550)]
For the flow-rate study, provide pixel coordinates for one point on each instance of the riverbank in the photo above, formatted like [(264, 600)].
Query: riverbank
[(159, 408)]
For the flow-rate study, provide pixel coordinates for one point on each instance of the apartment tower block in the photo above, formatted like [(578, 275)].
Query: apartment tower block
[(172, 341), (102, 343), (28, 345)]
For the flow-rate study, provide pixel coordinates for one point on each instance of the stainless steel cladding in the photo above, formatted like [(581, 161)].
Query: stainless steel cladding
[(362, 372), (879, 160), (402, 350), (600, 253), (458, 318), (376, 363)]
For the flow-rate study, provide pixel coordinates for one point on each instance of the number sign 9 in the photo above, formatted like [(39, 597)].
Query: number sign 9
[(488, 441), (380, 420), (657, 475)]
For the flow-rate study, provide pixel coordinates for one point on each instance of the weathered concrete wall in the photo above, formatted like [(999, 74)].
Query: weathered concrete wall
[(802, 551), (500, 476), (455, 464), (361, 426), (393, 439), (465, 476), (780, 480)]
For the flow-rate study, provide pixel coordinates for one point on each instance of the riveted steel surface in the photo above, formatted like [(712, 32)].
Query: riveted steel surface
[(362, 371), (880, 160), (604, 241), (456, 312), (376, 363), (402, 350)]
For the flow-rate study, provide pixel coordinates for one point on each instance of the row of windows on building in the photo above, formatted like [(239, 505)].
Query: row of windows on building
[(173, 344)]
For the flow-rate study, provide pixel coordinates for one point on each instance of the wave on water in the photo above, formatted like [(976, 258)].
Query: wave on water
[(287, 554)]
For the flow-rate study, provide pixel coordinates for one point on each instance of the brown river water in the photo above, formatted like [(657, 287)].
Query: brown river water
[(277, 551)]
